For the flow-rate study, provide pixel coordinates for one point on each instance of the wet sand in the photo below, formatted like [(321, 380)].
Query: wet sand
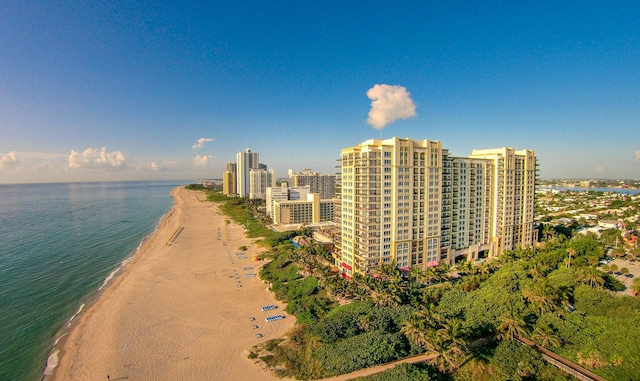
[(181, 308)]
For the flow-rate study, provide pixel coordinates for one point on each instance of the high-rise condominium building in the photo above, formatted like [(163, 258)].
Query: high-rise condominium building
[(260, 179), (229, 178), (229, 183), (322, 184), (410, 202), (245, 162), (513, 198)]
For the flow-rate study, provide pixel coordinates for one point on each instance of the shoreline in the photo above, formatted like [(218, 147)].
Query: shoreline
[(158, 318), (52, 363)]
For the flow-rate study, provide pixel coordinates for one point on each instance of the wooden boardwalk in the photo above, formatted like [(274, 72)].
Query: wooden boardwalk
[(565, 365)]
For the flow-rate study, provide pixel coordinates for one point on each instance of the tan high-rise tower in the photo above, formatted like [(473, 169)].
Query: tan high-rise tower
[(513, 199), (408, 202)]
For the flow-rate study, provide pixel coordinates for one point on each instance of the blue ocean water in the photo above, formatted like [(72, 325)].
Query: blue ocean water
[(58, 245)]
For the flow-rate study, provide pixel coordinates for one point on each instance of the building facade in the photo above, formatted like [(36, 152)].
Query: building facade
[(245, 162), (513, 198), (311, 210), (409, 202), (284, 193), (259, 180), (229, 179), (323, 184), (229, 183)]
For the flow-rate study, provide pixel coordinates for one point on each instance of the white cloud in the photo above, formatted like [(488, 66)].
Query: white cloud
[(388, 104), (93, 158), (9, 161), (201, 162), (599, 169), (200, 143), (637, 155)]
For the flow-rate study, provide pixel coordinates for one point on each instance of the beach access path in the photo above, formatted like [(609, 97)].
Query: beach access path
[(181, 309)]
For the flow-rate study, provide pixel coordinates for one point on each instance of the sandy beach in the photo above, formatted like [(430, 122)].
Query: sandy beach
[(180, 310)]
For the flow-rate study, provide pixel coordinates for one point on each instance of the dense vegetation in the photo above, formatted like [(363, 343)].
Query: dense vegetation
[(467, 318)]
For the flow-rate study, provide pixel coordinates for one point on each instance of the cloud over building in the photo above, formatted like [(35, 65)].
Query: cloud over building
[(389, 103)]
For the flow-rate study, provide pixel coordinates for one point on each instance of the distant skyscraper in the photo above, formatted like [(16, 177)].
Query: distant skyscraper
[(245, 161), (229, 179), (409, 202), (229, 183)]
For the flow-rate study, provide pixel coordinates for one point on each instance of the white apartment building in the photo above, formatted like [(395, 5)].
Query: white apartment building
[(259, 180), (408, 201), (245, 162)]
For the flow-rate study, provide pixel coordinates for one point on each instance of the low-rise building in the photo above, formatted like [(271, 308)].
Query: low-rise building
[(309, 211)]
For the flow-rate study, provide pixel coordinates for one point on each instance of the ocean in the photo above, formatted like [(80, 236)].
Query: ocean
[(59, 245)]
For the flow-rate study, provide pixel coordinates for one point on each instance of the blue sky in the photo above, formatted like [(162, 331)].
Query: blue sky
[(102, 90)]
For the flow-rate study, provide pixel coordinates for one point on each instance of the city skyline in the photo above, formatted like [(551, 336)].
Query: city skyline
[(107, 92)]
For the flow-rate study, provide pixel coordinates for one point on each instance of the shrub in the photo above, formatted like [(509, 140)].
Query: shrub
[(362, 351)]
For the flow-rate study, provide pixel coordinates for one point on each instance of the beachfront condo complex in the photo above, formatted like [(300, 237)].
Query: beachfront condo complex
[(409, 202)]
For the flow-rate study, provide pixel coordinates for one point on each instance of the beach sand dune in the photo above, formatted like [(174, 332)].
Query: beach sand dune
[(182, 308)]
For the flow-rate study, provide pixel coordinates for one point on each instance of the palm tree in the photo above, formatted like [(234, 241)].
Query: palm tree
[(416, 273), (591, 276), (414, 330), (485, 268), (446, 342), (384, 296), (442, 272), (444, 359), (464, 267), (548, 232), (389, 271), (537, 270), (430, 275), (546, 337), (413, 293), (452, 332), (572, 253), (543, 295), (438, 336), (510, 326)]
